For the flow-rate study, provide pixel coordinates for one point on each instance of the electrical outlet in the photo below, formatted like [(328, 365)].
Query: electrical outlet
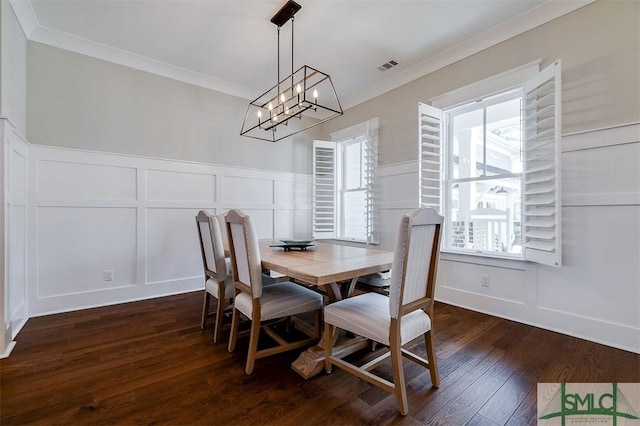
[(484, 280), (108, 274)]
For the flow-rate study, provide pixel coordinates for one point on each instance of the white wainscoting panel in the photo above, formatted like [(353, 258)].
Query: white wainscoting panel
[(595, 295), (247, 191), (163, 185), (172, 246), (95, 212), (65, 180), (15, 247), (601, 247), (18, 174), (285, 194), (262, 221), (17, 264), (75, 245), (285, 225), (608, 175), (506, 284)]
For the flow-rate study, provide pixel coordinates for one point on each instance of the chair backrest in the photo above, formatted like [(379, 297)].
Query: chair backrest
[(211, 246), (415, 262), (223, 230), (245, 253)]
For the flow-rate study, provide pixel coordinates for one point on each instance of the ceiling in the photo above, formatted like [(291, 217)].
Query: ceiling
[(231, 45)]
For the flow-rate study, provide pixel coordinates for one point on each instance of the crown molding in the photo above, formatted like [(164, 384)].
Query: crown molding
[(26, 16), (132, 60), (542, 14), (38, 33), (526, 21)]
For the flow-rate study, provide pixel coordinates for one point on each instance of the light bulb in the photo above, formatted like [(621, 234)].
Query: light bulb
[(299, 88), (270, 107), (286, 111), (282, 98), (259, 114), (315, 94)]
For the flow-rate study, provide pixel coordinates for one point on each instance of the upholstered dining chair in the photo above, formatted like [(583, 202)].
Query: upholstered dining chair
[(263, 305), (402, 316), (217, 276)]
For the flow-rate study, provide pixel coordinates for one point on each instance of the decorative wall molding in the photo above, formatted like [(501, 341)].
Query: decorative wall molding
[(143, 223), (600, 261), (135, 216), (600, 138), (588, 158), (620, 143), (16, 154)]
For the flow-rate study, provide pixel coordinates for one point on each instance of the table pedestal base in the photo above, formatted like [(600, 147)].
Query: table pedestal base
[(310, 363)]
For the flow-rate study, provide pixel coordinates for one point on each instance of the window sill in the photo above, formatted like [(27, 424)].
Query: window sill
[(485, 259), (346, 242)]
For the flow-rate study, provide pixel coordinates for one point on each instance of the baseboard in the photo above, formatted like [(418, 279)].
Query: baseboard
[(619, 336), (7, 351)]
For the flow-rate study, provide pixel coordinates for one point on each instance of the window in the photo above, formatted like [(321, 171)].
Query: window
[(491, 165), (344, 184), (483, 177)]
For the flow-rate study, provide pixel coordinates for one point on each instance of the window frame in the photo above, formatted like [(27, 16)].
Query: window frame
[(447, 165), (341, 187), (541, 187), (366, 134)]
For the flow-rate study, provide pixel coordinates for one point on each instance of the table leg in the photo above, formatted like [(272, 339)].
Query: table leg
[(311, 362)]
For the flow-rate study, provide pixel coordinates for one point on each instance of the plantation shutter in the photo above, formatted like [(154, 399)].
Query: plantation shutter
[(370, 177), (324, 189), (541, 167), (430, 167)]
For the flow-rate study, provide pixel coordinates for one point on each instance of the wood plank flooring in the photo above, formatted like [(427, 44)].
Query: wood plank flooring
[(148, 362)]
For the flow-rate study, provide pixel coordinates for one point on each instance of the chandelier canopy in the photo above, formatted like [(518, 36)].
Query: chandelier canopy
[(307, 95)]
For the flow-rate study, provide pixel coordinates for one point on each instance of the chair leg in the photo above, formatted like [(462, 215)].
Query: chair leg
[(235, 323), (398, 376), (219, 317), (317, 316), (328, 346), (253, 344), (431, 357), (205, 310)]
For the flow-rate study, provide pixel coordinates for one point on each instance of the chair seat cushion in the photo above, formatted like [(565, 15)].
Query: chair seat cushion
[(211, 285), (212, 288), (368, 315), (280, 300)]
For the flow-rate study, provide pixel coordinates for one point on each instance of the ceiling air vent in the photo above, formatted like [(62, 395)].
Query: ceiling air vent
[(388, 65)]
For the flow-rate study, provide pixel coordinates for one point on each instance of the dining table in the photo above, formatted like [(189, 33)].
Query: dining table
[(335, 268)]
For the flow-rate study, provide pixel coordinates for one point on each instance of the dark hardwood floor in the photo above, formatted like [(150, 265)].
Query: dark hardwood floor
[(148, 362)]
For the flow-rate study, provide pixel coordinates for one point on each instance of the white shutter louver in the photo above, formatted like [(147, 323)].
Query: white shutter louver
[(430, 168), (324, 189), (370, 177), (541, 230)]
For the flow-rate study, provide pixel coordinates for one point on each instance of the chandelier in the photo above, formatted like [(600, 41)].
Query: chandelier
[(306, 95)]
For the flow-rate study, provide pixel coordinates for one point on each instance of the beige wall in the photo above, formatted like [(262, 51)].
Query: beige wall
[(13, 69), (81, 102), (599, 46)]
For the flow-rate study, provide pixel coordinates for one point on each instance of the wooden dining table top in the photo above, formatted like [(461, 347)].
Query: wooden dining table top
[(325, 263)]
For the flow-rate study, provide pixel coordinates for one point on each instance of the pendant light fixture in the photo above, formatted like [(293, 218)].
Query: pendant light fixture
[(297, 102)]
